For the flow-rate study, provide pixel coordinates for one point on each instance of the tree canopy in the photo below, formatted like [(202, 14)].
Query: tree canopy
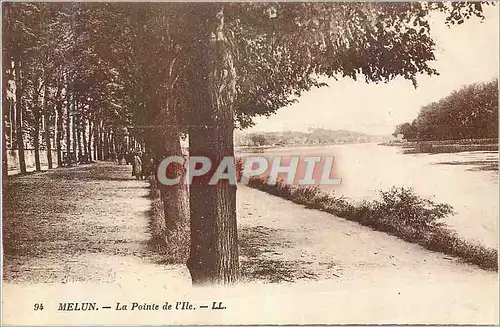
[(468, 113)]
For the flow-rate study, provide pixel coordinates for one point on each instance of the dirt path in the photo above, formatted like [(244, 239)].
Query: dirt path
[(82, 224), (81, 234)]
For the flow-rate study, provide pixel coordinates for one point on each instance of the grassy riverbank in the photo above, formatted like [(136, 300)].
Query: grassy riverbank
[(400, 212)]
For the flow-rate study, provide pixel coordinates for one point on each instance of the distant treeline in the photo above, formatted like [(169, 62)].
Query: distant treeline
[(315, 136), (468, 113)]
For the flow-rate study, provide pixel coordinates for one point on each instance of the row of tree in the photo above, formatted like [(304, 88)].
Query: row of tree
[(468, 113), (314, 136), (57, 92), (202, 69)]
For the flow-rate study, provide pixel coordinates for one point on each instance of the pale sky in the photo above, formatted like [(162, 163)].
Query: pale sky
[(465, 54)]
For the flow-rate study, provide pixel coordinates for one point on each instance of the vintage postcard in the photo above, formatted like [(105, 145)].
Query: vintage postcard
[(229, 163)]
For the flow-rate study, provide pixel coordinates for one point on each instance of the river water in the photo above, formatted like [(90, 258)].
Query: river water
[(452, 178)]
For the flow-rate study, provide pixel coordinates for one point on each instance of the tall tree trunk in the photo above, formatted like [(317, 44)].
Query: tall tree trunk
[(4, 149), (106, 144), (174, 198), (5, 104), (60, 129), (74, 128), (95, 134), (46, 116), (19, 118), (37, 116), (48, 140), (101, 141), (79, 143), (112, 144), (98, 136), (89, 143), (84, 140), (36, 139), (68, 129), (214, 241)]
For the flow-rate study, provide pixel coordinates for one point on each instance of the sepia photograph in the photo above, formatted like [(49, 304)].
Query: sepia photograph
[(250, 163)]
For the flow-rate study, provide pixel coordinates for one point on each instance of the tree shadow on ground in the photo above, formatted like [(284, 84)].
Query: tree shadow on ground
[(261, 260)]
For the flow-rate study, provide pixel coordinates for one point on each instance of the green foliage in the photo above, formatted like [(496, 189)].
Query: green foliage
[(313, 137), (54, 50), (469, 113), (258, 139), (127, 62), (407, 130), (281, 49), (402, 204)]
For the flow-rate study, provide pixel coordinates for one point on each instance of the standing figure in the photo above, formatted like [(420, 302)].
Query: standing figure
[(137, 166)]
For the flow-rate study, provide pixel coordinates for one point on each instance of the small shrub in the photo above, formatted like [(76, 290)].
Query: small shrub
[(403, 206), (307, 195), (283, 190), (340, 207), (258, 183)]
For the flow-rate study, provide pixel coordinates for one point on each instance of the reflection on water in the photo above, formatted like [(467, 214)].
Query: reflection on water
[(453, 178)]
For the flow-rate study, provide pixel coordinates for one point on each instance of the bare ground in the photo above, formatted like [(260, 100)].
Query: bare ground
[(82, 234), (85, 223)]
